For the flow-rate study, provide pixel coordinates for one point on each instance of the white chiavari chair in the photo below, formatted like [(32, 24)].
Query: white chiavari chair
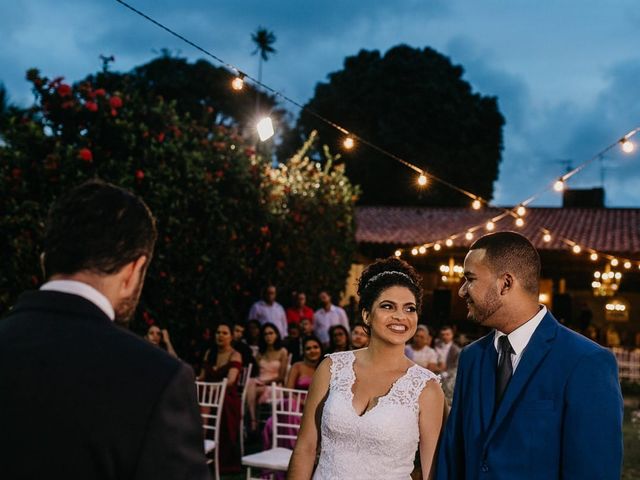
[(211, 400)]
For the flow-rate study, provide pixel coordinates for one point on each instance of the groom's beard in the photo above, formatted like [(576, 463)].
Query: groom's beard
[(126, 308), (482, 312)]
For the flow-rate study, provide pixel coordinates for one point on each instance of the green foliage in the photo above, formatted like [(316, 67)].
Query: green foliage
[(224, 226), (415, 104)]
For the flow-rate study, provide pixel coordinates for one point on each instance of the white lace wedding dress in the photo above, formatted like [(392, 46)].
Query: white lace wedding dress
[(380, 444)]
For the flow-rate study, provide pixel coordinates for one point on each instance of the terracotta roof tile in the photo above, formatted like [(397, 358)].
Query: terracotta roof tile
[(612, 230)]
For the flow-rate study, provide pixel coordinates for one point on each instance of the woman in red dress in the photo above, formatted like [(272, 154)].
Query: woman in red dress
[(220, 362)]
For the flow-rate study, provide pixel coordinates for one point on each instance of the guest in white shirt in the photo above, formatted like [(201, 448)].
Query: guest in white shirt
[(420, 351), (328, 316), (270, 311), (447, 350)]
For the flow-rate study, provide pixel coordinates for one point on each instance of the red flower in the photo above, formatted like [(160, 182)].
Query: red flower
[(250, 151), (160, 137), (219, 173), (91, 106), (85, 155), (114, 112), (264, 230), (64, 90), (16, 173), (99, 92), (115, 102), (139, 175)]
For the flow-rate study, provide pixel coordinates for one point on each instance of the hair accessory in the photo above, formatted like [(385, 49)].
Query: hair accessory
[(388, 272)]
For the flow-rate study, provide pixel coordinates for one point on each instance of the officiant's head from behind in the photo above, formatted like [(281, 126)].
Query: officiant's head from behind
[(103, 236), (390, 293), (501, 281)]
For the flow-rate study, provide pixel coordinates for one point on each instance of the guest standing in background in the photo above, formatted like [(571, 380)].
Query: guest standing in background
[(268, 310), (327, 316), (300, 310)]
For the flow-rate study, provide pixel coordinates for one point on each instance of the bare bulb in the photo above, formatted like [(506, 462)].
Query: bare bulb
[(521, 211), (448, 242), (594, 256), (437, 247), (422, 250), (490, 226), (422, 180), (237, 84), (398, 253), (577, 249), (559, 186), (519, 222), (469, 236), (546, 237), (627, 146), (476, 204), (348, 143)]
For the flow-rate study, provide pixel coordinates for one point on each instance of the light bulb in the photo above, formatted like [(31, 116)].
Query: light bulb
[(521, 211), (576, 248), (237, 83), (627, 146), (476, 204), (448, 242), (627, 265), (559, 186), (614, 262), (265, 129), (546, 237), (422, 250), (398, 253), (519, 222), (490, 226), (618, 275), (437, 247), (596, 274), (348, 143), (414, 251), (594, 256), (422, 180)]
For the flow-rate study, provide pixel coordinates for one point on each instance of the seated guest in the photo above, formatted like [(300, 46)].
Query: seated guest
[(160, 338), (222, 361), (359, 337), (302, 372), (252, 335), (273, 360), (240, 346), (293, 343), (420, 350), (300, 310), (338, 339), (306, 327)]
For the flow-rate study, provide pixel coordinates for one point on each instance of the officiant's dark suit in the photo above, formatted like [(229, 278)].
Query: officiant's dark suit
[(80, 396)]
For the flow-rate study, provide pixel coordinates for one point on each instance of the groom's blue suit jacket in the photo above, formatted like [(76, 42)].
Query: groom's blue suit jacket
[(560, 417)]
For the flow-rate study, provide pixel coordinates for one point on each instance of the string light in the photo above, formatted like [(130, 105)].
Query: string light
[(521, 211), (414, 251), (476, 204), (265, 129), (437, 247), (238, 83), (469, 236), (519, 222), (448, 242), (422, 180), (348, 143), (627, 145), (614, 262), (398, 253), (594, 256), (559, 185), (422, 250), (576, 249), (546, 237), (490, 226), (627, 265)]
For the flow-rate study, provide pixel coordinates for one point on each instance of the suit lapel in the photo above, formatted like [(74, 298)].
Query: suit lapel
[(534, 353), (488, 380)]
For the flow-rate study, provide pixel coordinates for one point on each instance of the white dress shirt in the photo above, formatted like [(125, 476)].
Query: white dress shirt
[(519, 338), (274, 313), (323, 320), (82, 290)]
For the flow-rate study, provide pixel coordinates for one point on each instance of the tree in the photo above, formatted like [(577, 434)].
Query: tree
[(264, 40), (226, 217), (415, 104)]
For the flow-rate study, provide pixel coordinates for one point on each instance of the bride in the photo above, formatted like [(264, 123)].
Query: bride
[(373, 407)]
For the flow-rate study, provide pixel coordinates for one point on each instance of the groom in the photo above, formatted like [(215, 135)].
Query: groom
[(533, 400), (81, 397)]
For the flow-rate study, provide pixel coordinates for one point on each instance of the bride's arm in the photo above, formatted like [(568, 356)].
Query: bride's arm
[(430, 421), (304, 454)]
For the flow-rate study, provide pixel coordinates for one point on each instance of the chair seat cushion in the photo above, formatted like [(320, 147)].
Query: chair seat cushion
[(274, 459), (209, 445)]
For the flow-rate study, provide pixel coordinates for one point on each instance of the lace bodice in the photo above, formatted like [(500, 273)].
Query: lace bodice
[(379, 444)]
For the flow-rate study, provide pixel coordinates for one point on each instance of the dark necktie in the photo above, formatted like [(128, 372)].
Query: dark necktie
[(505, 368)]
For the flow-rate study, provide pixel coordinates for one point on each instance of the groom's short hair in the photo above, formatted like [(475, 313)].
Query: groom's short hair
[(513, 253)]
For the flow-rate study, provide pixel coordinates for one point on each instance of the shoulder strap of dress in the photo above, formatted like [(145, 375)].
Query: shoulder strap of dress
[(342, 375)]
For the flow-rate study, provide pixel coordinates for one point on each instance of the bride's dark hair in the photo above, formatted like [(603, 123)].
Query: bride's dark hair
[(385, 273)]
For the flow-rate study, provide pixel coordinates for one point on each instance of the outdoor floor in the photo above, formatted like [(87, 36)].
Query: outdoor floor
[(631, 434)]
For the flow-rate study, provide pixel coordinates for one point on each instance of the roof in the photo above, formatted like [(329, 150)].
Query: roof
[(613, 230)]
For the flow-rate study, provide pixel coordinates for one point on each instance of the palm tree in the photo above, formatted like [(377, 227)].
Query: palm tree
[(264, 40)]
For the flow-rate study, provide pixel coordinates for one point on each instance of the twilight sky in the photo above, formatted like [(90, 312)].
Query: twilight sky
[(566, 72)]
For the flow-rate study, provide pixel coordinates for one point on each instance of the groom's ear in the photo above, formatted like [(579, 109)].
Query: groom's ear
[(507, 283)]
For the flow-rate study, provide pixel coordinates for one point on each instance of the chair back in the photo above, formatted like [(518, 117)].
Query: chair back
[(245, 375), (287, 405), (211, 400)]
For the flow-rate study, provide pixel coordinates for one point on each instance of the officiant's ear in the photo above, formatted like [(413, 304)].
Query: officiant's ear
[(507, 283)]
